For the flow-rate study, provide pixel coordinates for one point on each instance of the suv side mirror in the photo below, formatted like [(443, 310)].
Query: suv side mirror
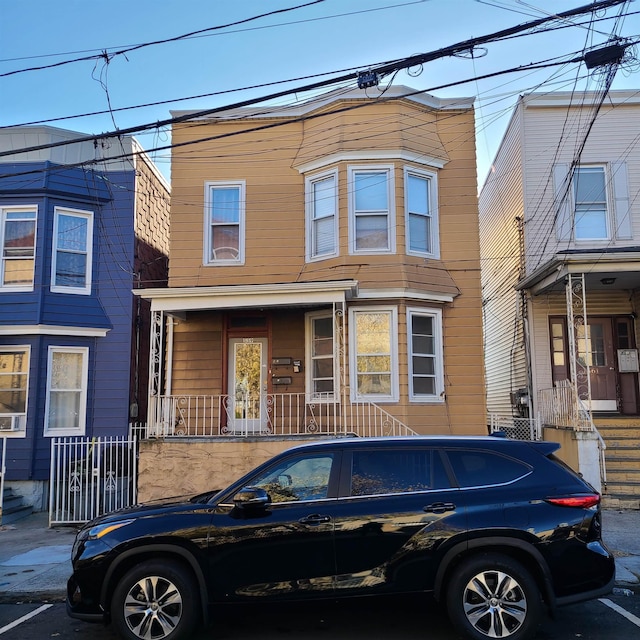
[(251, 498)]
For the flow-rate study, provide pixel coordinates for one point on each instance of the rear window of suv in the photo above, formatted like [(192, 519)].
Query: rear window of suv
[(477, 468), (380, 471)]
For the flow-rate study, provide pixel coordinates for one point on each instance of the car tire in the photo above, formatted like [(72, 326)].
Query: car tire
[(155, 600), (493, 596)]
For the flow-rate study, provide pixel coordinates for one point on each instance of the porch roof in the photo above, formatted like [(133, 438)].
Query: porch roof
[(180, 299), (621, 264)]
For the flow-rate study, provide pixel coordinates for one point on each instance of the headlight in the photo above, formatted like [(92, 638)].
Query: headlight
[(100, 530)]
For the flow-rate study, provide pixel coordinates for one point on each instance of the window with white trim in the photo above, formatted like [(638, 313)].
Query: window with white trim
[(421, 220), (590, 203), (66, 402), (72, 251), (322, 216), (426, 378), (14, 387), (224, 223), (373, 348), (322, 381), (371, 210), (18, 245)]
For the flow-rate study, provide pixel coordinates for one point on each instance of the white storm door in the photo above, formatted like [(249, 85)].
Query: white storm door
[(247, 410)]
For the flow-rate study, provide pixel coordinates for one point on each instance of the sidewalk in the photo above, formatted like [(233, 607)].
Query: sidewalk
[(35, 560)]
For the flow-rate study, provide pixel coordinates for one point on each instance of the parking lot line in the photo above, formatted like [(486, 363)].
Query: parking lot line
[(24, 618), (623, 612)]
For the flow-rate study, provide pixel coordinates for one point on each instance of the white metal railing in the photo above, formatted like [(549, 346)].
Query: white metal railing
[(91, 476), (560, 407), (275, 414), (516, 427)]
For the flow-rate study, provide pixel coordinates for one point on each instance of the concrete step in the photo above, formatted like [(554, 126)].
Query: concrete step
[(615, 431), (13, 507), (622, 462), (625, 476), (620, 501)]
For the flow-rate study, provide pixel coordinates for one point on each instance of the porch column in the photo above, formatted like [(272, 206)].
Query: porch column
[(588, 440), (154, 414), (576, 323)]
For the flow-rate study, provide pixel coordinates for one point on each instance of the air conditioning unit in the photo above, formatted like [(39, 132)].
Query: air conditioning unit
[(9, 423)]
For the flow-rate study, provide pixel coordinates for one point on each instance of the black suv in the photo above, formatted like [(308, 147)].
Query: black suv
[(494, 528)]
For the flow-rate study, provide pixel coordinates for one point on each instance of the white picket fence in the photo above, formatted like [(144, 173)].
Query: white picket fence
[(91, 476)]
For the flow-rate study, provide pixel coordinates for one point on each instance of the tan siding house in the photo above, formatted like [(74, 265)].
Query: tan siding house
[(560, 243), (325, 272)]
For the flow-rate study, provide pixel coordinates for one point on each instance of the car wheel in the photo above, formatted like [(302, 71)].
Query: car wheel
[(155, 601), (493, 596)]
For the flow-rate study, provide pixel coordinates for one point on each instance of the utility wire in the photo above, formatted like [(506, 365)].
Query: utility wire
[(380, 71), (109, 56)]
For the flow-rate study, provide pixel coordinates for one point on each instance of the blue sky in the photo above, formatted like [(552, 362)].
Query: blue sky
[(327, 36)]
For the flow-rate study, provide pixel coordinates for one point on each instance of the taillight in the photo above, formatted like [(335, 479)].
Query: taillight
[(585, 501)]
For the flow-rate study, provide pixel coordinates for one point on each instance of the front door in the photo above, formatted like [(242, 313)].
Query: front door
[(248, 386), (595, 350)]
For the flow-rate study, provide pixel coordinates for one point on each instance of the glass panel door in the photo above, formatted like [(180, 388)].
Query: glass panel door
[(247, 407)]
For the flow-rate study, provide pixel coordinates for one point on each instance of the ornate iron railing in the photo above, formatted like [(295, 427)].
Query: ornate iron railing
[(274, 414), (562, 407)]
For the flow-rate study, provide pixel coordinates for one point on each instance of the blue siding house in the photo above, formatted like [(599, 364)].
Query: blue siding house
[(81, 225)]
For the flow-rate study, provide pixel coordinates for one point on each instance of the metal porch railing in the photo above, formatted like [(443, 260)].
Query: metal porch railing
[(561, 407), (276, 414)]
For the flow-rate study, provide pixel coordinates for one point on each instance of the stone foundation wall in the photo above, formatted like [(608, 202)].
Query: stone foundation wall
[(174, 467)]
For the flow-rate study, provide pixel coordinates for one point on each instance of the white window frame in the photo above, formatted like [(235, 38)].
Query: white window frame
[(436, 314), (19, 420), (352, 171), (311, 220), (432, 204), (608, 214), (311, 395), (242, 189), (394, 396), (88, 216), (3, 260), (82, 412)]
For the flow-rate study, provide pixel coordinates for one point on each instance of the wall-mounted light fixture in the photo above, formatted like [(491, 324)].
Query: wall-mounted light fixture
[(608, 280)]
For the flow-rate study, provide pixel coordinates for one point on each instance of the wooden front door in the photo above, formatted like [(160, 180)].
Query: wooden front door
[(595, 350)]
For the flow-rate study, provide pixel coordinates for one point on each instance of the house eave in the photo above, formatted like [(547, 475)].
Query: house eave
[(595, 263), (180, 299), (52, 330)]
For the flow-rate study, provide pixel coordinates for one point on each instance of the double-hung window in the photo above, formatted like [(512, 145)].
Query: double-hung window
[(72, 251), (224, 223), (374, 353), (321, 375), (421, 221), (426, 380), (371, 210), (322, 216), (18, 244), (590, 202), (66, 403), (14, 385)]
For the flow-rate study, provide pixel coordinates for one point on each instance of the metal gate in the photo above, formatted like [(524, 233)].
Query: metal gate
[(91, 476)]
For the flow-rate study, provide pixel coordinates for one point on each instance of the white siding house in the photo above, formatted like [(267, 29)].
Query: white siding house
[(560, 246)]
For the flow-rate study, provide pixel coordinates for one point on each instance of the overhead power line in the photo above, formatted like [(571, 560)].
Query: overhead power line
[(108, 56), (377, 72)]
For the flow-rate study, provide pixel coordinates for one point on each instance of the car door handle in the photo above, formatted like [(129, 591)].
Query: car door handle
[(315, 518), (440, 507)]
